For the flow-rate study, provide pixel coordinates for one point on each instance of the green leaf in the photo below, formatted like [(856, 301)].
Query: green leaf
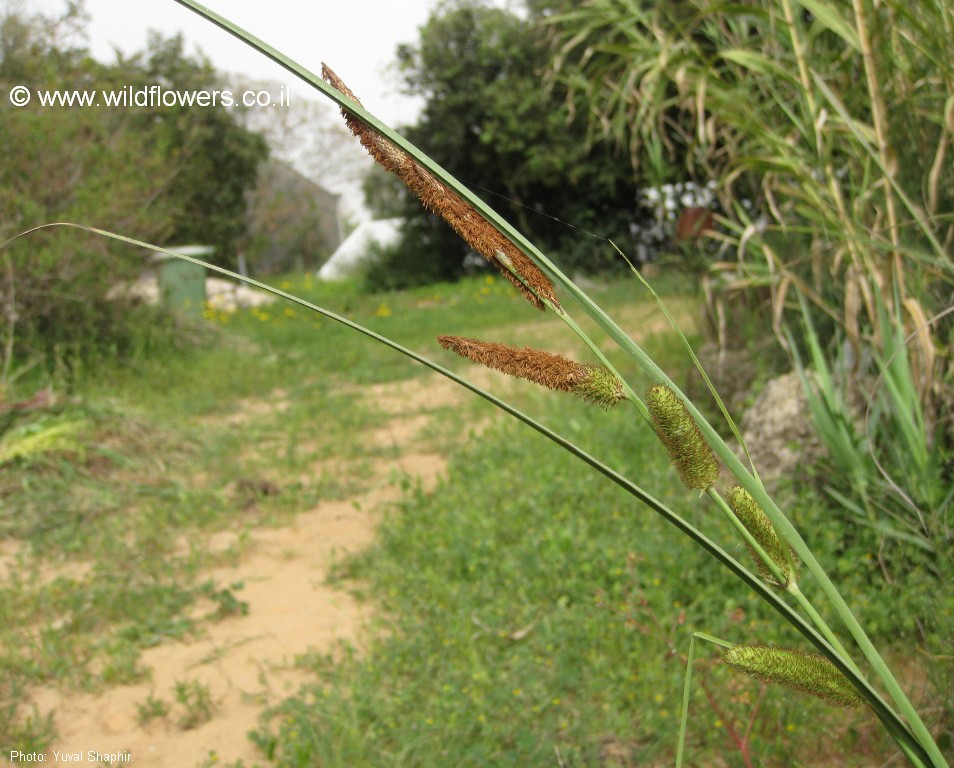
[(756, 62), (828, 16)]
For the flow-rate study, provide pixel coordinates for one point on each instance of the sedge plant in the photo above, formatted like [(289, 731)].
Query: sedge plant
[(838, 668)]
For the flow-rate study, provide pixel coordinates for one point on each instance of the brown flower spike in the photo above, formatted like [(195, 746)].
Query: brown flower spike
[(438, 198), (593, 383)]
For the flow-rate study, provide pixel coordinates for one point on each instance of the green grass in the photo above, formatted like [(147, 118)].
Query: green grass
[(196, 702), (534, 608), (527, 607), (102, 552)]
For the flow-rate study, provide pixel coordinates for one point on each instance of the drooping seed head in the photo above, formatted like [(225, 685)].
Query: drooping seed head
[(593, 383), (688, 449), (438, 198), (756, 522), (807, 672)]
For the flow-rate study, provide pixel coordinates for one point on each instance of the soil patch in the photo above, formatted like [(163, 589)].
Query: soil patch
[(246, 663)]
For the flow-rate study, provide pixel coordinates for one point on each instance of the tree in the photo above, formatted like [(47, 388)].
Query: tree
[(214, 159), (161, 175), (70, 164), (489, 119)]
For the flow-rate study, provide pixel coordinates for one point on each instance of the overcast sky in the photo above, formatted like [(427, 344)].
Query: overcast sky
[(357, 38)]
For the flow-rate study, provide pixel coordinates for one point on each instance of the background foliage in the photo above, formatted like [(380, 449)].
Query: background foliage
[(827, 129), (165, 175), (489, 120), (833, 123)]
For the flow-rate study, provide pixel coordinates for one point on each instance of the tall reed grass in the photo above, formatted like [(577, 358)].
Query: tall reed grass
[(835, 119), (825, 129)]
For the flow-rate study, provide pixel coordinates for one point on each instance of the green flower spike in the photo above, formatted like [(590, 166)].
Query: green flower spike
[(690, 453), (756, 522), (806, 672)]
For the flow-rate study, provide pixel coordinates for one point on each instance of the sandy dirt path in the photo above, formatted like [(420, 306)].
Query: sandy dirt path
[(247, 662)]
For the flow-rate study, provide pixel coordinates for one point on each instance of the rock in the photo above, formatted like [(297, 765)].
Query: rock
[(778, 430), (222, 295), (229, 296)]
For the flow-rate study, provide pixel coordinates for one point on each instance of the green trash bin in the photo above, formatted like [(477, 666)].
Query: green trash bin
[(182, 283)]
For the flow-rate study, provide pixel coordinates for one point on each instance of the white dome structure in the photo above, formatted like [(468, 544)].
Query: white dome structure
[(358, 246)]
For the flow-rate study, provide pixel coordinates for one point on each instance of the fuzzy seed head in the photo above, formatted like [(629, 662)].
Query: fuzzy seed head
[(438, 198), (600, 386), (806, 672), (688, 449), (593, 383), (756, 522)]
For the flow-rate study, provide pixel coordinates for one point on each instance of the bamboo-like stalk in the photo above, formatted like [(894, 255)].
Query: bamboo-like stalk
[(10, 313), (880, 118), (799, 50)]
